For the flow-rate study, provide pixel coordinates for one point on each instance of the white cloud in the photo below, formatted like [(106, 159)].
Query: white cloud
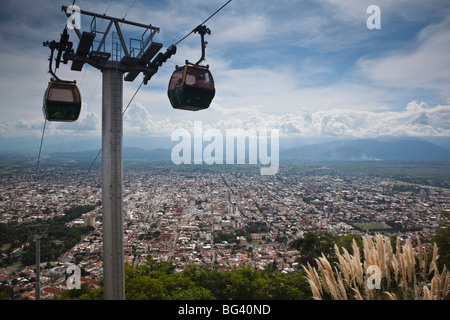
[(354, 12), (242, 29), (89, 123), (29, 125), (138, 121), (415, 120), (426, 66)]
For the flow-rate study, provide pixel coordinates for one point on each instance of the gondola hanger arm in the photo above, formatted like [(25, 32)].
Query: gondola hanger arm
[(202, 30)]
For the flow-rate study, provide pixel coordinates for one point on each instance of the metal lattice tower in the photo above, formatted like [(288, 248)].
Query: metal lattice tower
[(127, 64), (37, 232)]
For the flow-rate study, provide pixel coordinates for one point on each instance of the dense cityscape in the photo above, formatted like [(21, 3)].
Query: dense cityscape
[(189, 215)]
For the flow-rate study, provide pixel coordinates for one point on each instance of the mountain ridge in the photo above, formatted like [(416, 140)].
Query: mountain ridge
[(339, 150), (369, 149)]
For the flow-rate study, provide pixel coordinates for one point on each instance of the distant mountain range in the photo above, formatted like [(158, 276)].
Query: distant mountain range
[(368, 149), (159, 149)]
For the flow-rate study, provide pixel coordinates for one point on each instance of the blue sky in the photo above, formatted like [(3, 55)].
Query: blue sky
[(309, 68)]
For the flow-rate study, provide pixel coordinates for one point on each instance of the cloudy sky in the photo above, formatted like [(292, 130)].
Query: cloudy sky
[(308, 68)]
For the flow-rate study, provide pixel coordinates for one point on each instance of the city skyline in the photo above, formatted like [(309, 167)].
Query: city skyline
[(231, 219)]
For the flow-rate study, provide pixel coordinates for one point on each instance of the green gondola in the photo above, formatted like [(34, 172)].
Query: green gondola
[(62, 101), (191, 87)]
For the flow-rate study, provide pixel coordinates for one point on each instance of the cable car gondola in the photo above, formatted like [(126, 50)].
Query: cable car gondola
[(62, 101), (191, 86)]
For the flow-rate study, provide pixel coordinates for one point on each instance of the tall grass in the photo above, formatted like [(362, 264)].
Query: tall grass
[(402, 273)]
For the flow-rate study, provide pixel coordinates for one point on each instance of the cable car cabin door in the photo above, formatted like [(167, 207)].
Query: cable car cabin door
[(191, 88), (62, 102)]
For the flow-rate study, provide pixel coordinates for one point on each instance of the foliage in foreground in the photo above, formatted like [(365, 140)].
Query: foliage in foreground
[(403, 274), (399, 273), (159, 281)]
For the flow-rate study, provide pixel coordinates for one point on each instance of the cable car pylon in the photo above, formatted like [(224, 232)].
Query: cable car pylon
[(130, 65), (126, 67)]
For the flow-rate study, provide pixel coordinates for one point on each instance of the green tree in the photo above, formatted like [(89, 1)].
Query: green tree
[(312, 246), (145, 288), (246, 283), (6, 293), (158, 281), (75, 294), (194, 293), (347, 240), (442, 239), (293, 286)]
